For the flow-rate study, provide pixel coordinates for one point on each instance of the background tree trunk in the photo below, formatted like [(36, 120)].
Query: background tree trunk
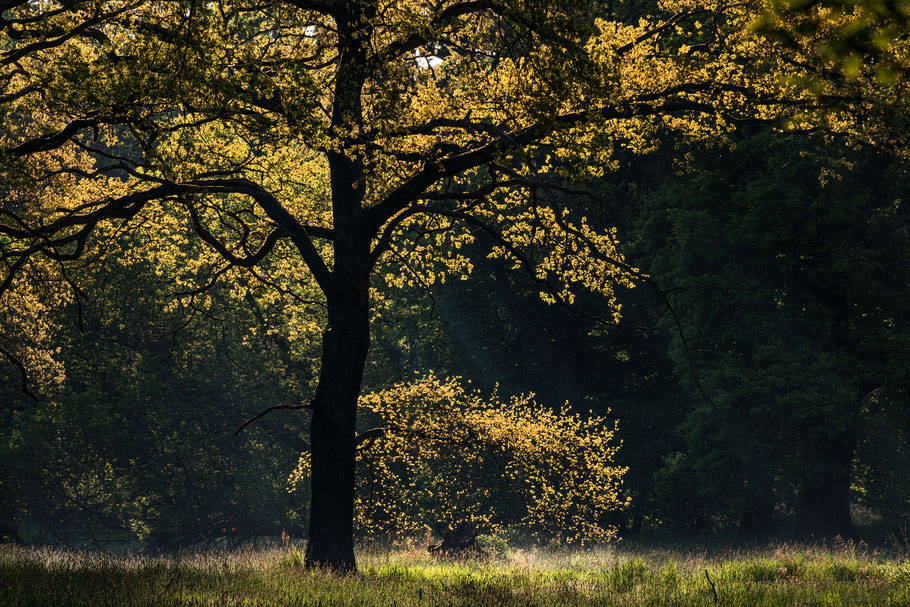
[(823, 505)]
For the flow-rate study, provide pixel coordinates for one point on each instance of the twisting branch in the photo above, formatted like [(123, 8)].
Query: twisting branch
[(127, 206), (22, 372), (245, 262), (368, 437), (468, 158), (86, 28), (207, 286), (659, 29), (300, 234), (258, 416)]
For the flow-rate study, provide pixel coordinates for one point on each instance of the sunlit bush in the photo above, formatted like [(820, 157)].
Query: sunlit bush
[(443, 455)]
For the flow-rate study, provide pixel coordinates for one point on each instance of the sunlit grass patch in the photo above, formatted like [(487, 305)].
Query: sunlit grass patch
[(778, 575)]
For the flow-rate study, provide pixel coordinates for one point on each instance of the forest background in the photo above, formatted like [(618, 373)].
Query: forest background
[(757, 373)]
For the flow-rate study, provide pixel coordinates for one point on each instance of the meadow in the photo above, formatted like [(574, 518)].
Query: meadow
[(630, 574)]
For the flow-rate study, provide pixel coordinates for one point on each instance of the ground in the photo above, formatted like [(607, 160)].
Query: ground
[(630, 574)]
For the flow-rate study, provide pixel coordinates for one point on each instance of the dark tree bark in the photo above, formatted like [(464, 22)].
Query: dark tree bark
[(823, 505), (560, 368), (346, 342), (333, 428), (759, 516), (8, 533)]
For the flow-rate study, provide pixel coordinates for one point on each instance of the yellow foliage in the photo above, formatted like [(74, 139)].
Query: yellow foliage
[(197, 92), (444, 454)]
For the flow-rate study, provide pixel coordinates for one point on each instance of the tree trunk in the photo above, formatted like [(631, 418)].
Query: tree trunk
[(758, 517), (823, 505), (559, 369), (345, 344), (347, 339)]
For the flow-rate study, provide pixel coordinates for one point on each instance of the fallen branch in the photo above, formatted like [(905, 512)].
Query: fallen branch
[(713, 588)]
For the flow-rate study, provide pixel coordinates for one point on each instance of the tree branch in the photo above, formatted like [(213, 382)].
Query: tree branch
[(282, 406), (409, 191), (299, 233), (24, 386), (368, 436)]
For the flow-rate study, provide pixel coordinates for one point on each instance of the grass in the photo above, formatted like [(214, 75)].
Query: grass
[(629, 575)]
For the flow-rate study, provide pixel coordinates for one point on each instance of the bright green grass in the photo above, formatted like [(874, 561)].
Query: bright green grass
[(782, 575)]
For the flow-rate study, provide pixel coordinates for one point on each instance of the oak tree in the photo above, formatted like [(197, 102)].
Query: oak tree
[(341, 145)]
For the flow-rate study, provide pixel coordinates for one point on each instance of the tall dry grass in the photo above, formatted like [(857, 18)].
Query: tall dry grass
[(777, 574)]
